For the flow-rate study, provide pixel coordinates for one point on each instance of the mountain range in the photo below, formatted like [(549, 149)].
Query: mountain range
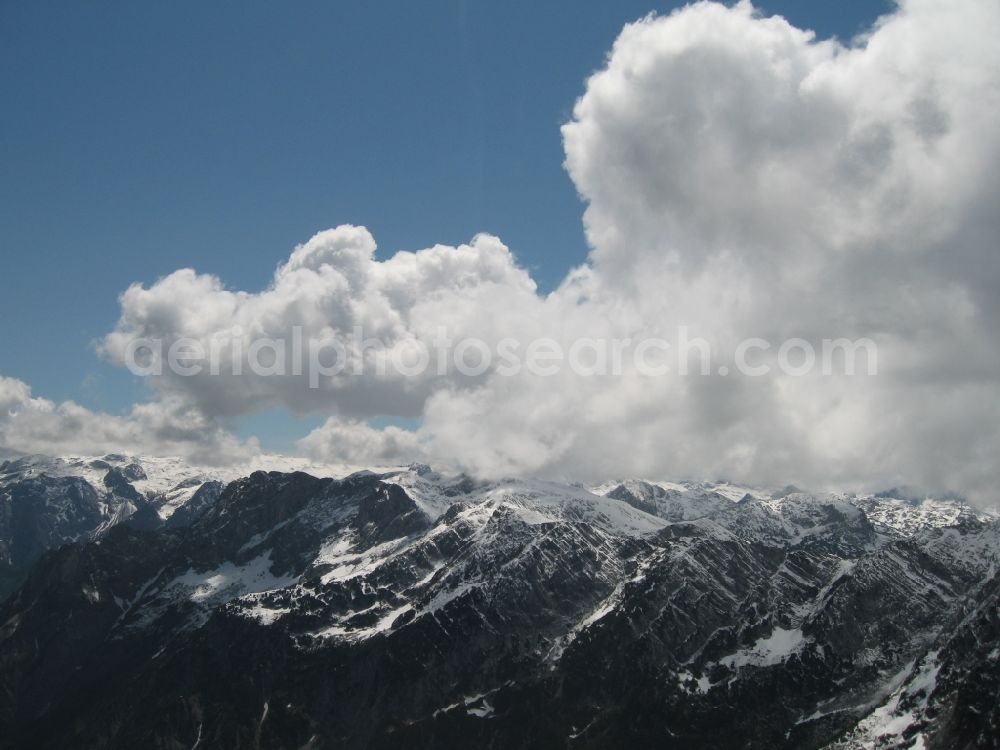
[(151, 603)]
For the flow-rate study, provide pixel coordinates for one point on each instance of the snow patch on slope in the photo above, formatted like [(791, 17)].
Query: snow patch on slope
[(768, 651)]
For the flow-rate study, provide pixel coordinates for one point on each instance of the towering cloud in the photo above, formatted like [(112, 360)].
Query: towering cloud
[(746, 179)]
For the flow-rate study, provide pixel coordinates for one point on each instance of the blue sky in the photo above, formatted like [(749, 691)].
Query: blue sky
[(141, 138)]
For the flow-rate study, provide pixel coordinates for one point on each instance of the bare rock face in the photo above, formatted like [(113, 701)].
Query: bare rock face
[(46, 502), (408, 609), (40, 512)]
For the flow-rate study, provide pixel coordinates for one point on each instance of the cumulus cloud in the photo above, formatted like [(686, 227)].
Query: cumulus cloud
[(166, 427), (354, 442), (357, 314), (741, 179), (750, 180), (746, 180)]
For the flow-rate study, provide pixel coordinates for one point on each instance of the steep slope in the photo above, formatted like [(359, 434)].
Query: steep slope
[(411, 609), (949, 696), (46, 502)]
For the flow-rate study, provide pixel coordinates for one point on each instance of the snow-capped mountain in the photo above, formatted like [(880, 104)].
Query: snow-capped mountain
[(47, 501), (405, 608)]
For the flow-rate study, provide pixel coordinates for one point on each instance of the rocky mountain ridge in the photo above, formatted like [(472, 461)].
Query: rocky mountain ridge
[(409, 607)]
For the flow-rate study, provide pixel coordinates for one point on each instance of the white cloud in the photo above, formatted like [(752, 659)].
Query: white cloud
[(741, 178), (166, 427), (750, 181), (356, 442), (329, 287), (746, 180)]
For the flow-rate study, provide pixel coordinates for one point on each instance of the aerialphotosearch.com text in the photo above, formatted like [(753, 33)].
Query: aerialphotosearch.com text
[(356, 354)]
